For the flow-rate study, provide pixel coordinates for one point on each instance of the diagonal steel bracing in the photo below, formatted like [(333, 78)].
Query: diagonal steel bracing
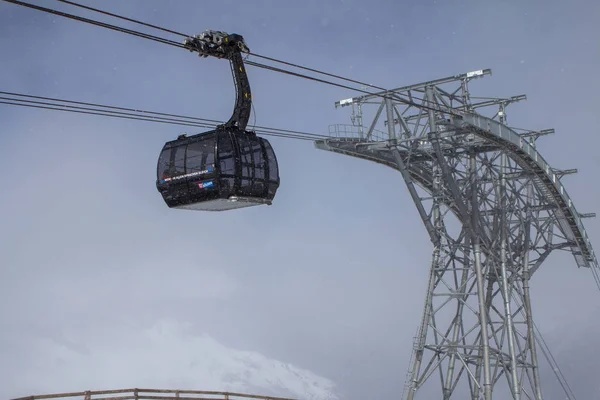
[(494, 211)]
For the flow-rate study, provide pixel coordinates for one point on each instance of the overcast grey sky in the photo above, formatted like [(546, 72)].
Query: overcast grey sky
[(331, 277)]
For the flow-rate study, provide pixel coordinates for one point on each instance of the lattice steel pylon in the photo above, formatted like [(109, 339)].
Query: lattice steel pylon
[(494, 210)]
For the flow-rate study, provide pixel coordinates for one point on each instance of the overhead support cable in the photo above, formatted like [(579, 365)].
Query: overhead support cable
[(97, 23), (212, 121), (123, 18), (395, 96), (186, 36), (23, 100)]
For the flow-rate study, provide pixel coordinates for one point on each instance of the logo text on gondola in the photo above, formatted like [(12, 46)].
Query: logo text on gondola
[(176, 178)]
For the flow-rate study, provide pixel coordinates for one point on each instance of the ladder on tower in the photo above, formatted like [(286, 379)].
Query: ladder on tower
[(410, 363)]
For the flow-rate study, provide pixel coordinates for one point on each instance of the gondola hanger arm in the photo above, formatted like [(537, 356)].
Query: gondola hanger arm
[(230, 46)]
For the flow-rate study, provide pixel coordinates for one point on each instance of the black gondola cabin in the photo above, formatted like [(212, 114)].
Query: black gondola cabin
[(218, 170), (229, 167)]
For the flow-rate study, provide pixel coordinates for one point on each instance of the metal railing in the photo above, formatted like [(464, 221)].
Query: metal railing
[(151, 394), (344, 131)]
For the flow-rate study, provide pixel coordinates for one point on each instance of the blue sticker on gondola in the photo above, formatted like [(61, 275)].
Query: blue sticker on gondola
[(204, 185)]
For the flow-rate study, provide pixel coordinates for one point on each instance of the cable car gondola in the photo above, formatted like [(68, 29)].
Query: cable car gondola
[(226, 168)]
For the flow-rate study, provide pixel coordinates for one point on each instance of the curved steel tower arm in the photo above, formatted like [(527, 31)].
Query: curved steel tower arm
[(546, 179)]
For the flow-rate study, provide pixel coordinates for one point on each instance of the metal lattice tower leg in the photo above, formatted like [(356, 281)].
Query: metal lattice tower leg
[(494, 211)]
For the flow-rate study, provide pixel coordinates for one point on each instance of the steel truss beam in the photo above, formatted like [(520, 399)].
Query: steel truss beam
[(494, 211)]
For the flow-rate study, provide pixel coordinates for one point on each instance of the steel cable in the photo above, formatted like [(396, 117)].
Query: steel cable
[(142, 115)]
